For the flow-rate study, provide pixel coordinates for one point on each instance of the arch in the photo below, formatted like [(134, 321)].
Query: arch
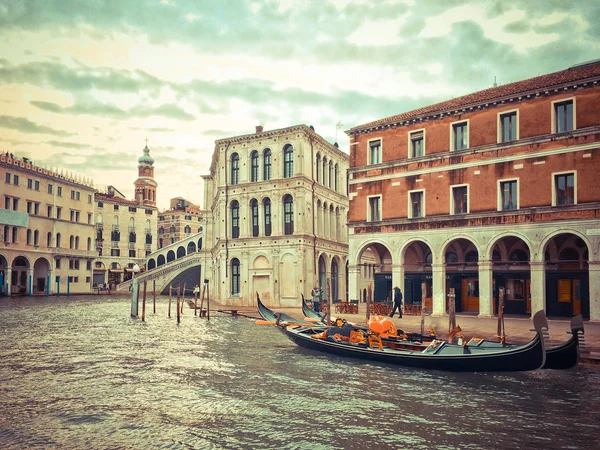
[(334, 279), (254, 219), (550, 237), (29, 237), (322, 276), (20, 265), (267, 216), (49, 239), (499, 244), (148, 225), (180, 252), (36, 238), (199, 244), (317, 167), (41, 270), (187, 229), (235, 219), (191, 247), (261, 262), (235, 168), (267, 164), (89, 244), (254, 166), (379, 244), (288, 161), (58, 240), (115, 220), (76, 242), (324, 172), (151, 264), (170, 256), (160, 260), (71, 241), (451, 242), (330, 175)]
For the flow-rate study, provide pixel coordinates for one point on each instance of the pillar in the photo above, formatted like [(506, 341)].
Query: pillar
[(398, 278), (538, 286), (439, 289), (486, 294), (594, 281), (8, 280), (353, 276)]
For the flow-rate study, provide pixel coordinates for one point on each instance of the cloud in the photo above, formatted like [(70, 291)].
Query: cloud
[(62, 144), (26, 126)]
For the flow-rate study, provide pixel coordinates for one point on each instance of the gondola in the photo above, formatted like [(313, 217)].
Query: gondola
[(272, 316), (437, 356), (309, 312), (565, 356)]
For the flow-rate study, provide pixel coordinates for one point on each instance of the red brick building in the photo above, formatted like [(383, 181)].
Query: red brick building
[(495, 189)]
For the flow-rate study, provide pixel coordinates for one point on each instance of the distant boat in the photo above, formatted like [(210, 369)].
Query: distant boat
[(438, 355)]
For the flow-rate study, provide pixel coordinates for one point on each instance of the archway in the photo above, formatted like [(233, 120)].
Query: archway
[(335, 281), (418, 275), (180, 252), (462, 274), (3, 274), (170, 256), (375, 267), (151, 264), (18, 282), (191, 247), (510, 266), (160, 260), (567, 277), (41, 270)]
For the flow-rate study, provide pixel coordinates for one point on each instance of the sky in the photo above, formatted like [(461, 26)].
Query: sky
[(84, 83)]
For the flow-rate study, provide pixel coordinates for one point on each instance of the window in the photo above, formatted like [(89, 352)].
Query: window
[(16, 180), (564, 119), (254, 212), (132, 209), (288, 214), (29, 183), (417, 204), (58, 239), (59, 191), (417, 143), (49, 239), (49, 189), (58, 263), (267, 164), (36, 238), (72, 195), (72, 216), (508, 126), (235, 276), (28, 237), (460, 136), (318, 167), (254, 166), (116, 207), (36, 185), (330, 174), (374, 213), (235, 168), (7, 178), (7, 202), (115, 252), (374, 152), (50, 209), (15, 232), (459, 199), (288, 161), (6, 233), (100, 205), (508, 195), (267, 214), (58, 212), (15, 204), (235, 219), (337, 175), (36, 209), (564, 189), (89, 198), (89, 219), (29, 207), (132, 253)]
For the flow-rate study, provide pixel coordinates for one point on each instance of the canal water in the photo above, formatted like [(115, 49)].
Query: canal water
[(79, 373)]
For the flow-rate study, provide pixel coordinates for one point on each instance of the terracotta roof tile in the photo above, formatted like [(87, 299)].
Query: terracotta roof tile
[(570, 75)]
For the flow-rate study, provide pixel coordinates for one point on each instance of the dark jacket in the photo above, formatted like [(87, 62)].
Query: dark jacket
[(397, 296)]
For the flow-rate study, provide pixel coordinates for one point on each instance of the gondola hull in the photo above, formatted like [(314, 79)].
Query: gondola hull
[(566, 355)]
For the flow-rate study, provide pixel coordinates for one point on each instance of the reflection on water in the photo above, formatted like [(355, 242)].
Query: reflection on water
[(78, 373)]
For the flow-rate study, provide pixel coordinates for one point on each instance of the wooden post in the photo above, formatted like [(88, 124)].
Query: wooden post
[(423, 295), (144, 303), (154, 294), (207, 301), (195, 302), (170, 293), (182, 298), (501, 334), (202, 299), (178, 310), (368, 302), (329, 304), (451, 314)]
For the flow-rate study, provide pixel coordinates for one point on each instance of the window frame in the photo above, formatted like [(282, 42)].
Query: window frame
[(288, 215), (254, 166), (267, 216), (452, 203), (235, 277), (254, 215), (500, 205), (500, 128), (235, 169), (288, 161), (370, 150), (410, 203), (452, 134), (234, 209), (267, 164), (411, 150), (554, 104), (554, 190), (369, 210)]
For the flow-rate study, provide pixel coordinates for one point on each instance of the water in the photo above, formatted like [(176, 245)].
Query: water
[(78, 373)]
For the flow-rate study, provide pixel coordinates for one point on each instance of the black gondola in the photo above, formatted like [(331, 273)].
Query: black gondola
[(311, 313), (565, 356), (438, 355)]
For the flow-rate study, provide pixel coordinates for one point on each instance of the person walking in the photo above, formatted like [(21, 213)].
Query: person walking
[(397, 302)]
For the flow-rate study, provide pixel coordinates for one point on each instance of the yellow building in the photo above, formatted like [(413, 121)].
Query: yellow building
[(46, 230)]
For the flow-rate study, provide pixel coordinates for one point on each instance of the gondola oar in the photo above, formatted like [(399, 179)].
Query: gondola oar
[(287, 324)]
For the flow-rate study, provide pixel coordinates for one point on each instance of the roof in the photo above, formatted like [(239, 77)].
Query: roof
[(575, 73)]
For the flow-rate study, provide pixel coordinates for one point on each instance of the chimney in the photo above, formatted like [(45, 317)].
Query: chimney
[(259, 129)]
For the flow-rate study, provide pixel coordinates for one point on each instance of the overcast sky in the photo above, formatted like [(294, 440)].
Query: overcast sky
[(84, 83)]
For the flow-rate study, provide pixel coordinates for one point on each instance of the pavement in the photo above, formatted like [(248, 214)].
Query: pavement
[(518, 329)]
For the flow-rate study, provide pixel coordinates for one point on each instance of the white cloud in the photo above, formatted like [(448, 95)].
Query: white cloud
[(191, 18), (379, 33)]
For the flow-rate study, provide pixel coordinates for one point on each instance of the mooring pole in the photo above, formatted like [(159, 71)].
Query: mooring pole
[(501, 334), (57, 286), (144, 304), (68, 286), (207, 300), (154, 294), (451, 314), (31, 285), (182, 298), (170, 294), (48, 285), (423, 295), (178, 312)]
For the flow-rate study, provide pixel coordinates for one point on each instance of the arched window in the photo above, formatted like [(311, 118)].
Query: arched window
[(254, 166), (318, 164), (49, 239), (235, 168), (28, 237), (89, 244), (172, 229), (330, 174), (267, 215), (7, 234), (116, 220), (254, 212), (235, 219), (337, 175), (36, 238), (187, 229), (131, 222), (334, 280), (58, 240), (324, 170), (77, 242), (161, 230), (288, 214), (71, 241), (235, 276), (267, 164), (288, 161)]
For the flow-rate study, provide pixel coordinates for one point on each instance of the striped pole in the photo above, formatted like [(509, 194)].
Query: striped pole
[(30, 285), (58, 286), (48, 285)]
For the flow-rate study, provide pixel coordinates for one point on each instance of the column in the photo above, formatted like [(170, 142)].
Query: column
[(398, 278), (353, 276), (8, 280), (486, 294), (342, 280), (30, 281), (594, 280), (439, 290), (538, 286)]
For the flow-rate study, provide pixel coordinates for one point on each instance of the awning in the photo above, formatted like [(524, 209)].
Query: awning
[(115, 270)]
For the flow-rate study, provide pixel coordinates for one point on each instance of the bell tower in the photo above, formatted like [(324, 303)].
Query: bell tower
[(145, 185)]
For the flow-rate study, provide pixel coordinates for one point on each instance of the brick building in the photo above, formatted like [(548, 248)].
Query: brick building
[(494, 189), (181, 220)]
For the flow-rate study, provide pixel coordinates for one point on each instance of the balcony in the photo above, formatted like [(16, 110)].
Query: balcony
[(115, 227), (99, 226), (115, 244), (148, 231), (132, 246), (99, 244), (131, 229)]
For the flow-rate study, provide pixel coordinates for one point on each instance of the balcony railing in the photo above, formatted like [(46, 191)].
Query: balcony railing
[(115, 227), (115, 244), (132, 246), (99, 226), (148, 231), (131, 229), (99, 244)]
